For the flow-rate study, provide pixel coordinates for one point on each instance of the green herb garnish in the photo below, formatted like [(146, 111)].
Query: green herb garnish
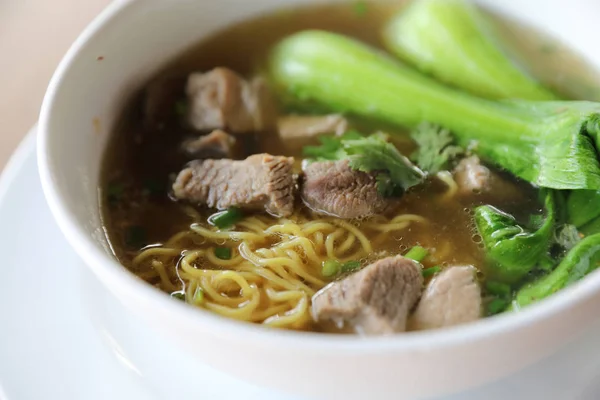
[(350, 266), (436, 148), (226, 219), (223, 253), (371, 154), (330, 268), (417, 253), (427, 272)]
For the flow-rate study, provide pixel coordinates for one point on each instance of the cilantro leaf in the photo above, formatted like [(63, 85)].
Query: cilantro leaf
[(331, 148), (372, 154), (436, 148)]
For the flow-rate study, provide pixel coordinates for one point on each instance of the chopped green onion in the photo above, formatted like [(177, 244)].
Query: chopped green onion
[(330, 268), (181, 107), (417, 253), (496, 306), (135, 236), (427, 272), (226, 219), (178, 295), (224, 253), (350, 266), (198, 297), (498, 288)]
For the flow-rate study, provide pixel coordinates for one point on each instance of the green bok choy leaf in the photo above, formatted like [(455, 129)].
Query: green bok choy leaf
[(550, 144), (514, 250)]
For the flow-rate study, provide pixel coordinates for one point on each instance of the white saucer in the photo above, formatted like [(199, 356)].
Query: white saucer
[(63, 336)]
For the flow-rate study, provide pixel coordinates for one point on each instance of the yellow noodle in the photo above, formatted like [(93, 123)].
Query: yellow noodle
[(275, 267)]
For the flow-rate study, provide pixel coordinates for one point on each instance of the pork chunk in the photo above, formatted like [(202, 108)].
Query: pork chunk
[(297, 131), (375, 300), (217, 144), (333, 188), (261, 181), (221, 99), (452, 297), (475, 179)]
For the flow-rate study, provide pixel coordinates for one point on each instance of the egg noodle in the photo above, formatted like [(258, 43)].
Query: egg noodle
[(274, 269)]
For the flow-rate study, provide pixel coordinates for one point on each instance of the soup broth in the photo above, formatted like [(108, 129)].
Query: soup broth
[(150, 232)]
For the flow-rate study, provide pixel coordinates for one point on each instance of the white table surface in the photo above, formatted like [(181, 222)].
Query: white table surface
[(34, 35)]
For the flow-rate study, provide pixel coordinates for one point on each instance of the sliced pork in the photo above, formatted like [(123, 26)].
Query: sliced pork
[(333, 188), (475, 179), (452, 297), (221, 99), (261, 181), (215, 145), (297, 131), (375, 300)]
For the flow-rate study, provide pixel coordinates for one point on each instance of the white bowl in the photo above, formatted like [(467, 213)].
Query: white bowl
[(115, 55)]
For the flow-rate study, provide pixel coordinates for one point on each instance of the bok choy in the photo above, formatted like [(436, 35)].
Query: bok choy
[(581, 260), (550, 144), (514, 250), (453, 41)]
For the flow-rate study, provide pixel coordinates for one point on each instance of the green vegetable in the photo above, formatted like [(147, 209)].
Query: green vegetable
[(436, 148), (512, 249), (198, 297), (226, 219), (135, 237), (591, 227), (498, 288), (417, 253), (427, 272), (550, 144), (496, 306), (178, 295), (350, 266), (583, 206), (330, 268), (453, 41), (395, 173), (580, 261), (224, 253), (331, 148)]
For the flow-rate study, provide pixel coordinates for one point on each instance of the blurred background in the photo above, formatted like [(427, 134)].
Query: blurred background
[(34, 35)]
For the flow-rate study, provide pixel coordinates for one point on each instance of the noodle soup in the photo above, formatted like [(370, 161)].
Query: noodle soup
[(265, 266)]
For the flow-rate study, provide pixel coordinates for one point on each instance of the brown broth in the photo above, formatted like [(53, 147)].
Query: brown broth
[(139, 162)]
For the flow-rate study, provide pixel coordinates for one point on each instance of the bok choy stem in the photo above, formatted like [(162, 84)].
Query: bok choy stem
[(550, 144), (453, 41)]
